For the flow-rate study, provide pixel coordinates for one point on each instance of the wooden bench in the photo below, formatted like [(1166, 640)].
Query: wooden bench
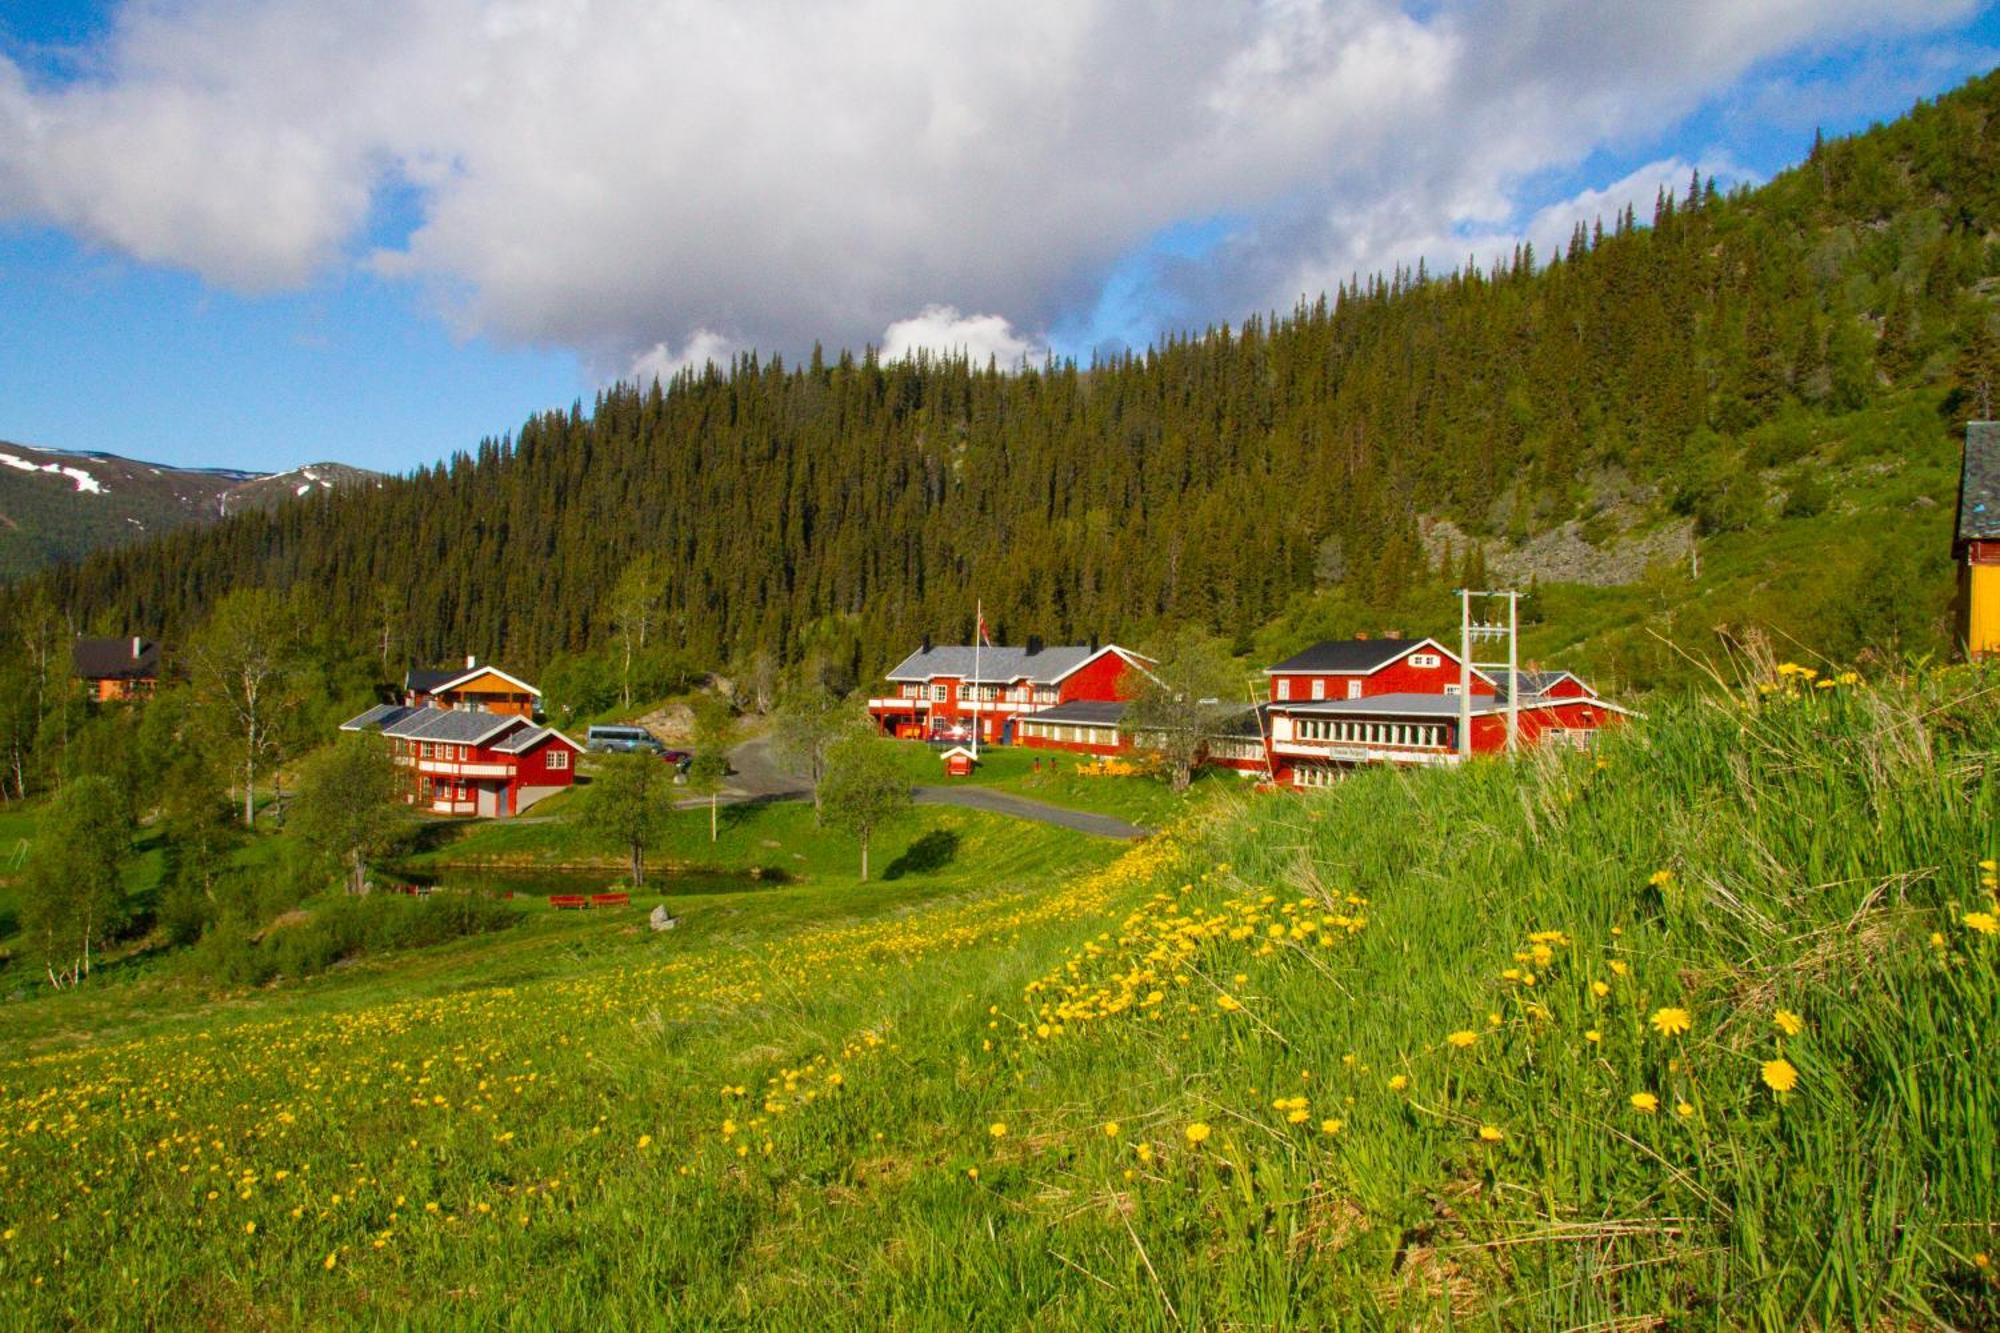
[(610, 899), (568, 900)]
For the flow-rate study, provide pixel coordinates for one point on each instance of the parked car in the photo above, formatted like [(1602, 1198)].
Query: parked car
[(680, 759), (621, 740)]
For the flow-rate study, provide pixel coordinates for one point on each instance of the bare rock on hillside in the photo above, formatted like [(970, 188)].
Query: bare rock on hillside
[(671, 724), (1563, 554)]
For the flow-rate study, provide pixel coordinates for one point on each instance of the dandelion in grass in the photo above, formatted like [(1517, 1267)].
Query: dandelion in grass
[(330, 1261), (1111, 1129), (1683, 1110), (1788, 1022), (1491, 1133), (1331, 1126), (997, 1130), (1398, 1082), (1229, 1004), (1659, 879), (1671, 1022), (249, 1229), (1593, 1036), (1463, 1038), (1145, 1152), (972, 1173), (1779, 1075), (645, 1141), (1599, 989), (1645, 1102), (1198, 1132), (1983, 922)]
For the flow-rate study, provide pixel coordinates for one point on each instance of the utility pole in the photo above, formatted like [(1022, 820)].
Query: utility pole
[(1485, 629)]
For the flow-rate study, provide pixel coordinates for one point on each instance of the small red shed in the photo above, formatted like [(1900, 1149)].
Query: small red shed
[(958, 762)]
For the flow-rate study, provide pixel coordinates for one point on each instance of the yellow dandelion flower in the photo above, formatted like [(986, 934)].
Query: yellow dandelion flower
[(1145, 1151), (331, 1260), (1593, 1036), (645, 1140), (972, 1173), (1788, 1022), (1398, 1082), (1983, 922), (1683, 1110), (1671, 1022), (1111, 1129), (1619, 967), (1463, 1038), (1779, 1076), (1645, 1101), (1599, 989), (997, 1130), (1491, 1133), (1659, 879), (249, 1229), (1198, 1132), (1330, 1126), (1227, 1003)]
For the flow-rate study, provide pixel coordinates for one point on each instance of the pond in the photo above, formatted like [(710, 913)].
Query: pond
[(536, 882)]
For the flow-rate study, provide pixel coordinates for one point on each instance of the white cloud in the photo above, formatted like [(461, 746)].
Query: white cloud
[(624, 177), (941, 329), (661, 362)]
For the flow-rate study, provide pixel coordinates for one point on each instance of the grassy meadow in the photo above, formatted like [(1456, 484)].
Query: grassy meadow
[(1693, 1030)]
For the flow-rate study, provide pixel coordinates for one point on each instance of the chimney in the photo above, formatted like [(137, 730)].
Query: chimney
[(1093, 645), (1361, 636), (135, 647), (1034, 645), (1392, 634), (470, 661), (927, 643)]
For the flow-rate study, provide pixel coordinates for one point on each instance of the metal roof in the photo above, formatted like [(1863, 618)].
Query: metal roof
[(1250, 724), (1082, 713), (1001, 664), (1348, 656), (523, 741), (452, 726), (1979, 483), (381, 715)]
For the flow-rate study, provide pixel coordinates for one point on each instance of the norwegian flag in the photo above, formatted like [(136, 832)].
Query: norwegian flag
[(983, 636)]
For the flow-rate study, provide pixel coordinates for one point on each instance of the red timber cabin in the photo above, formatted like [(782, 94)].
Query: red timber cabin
[(115, 670), (1013, 694), (470, 742), (1396, 701)]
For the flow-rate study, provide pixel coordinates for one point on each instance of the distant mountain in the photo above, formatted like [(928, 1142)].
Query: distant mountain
[(57, 506)]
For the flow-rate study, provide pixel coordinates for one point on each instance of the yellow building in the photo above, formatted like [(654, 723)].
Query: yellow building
[(1977, 545)]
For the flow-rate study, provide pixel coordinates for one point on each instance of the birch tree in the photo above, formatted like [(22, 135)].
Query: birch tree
[(242, 669), (75, 889), (634, 611)]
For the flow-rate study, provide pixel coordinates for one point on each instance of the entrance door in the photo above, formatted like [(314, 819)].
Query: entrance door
[(487, 799)]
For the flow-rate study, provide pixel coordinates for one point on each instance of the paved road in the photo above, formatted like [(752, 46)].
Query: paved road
[(756, 775), (1022, 807)]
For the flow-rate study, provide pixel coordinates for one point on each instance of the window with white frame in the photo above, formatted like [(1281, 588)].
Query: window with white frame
[(1354, 689), (1319, 688), (1284, 688), (557, 759), (1426, 661), (939, 693)]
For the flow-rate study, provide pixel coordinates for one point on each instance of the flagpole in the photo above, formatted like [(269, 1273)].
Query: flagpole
[(978, 633)]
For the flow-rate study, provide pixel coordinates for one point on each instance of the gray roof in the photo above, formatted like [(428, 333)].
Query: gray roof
[(381, 715), (1536, 683), (998, 665), (1346, 655), (422, 680), (526, 739), (452, 726), (1397, 705), (1979, 483), (1250, 724), (1082, 712), (115, 659)]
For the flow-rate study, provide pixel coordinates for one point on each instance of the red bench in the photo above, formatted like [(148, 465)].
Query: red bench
[(568, 900), (610, 899)]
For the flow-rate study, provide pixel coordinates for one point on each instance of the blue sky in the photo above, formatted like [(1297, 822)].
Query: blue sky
[(198, 289)]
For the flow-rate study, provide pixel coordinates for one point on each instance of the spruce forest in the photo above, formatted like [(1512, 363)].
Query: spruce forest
[(1700, 365)]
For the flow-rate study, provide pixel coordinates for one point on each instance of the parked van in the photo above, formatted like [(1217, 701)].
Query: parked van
[(621, 740)]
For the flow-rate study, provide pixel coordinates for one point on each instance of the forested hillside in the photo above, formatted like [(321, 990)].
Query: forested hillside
[(1712, 365)]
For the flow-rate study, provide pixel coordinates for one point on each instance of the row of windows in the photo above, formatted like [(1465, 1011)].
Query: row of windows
[(1041, 694), (1056, 731), (1350, 689), (440, 750), (1235, 750), (558, 758), (1315, 775), (1371, 733)]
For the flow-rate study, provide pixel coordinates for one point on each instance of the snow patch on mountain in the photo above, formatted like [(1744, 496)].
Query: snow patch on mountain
[(84, 481)]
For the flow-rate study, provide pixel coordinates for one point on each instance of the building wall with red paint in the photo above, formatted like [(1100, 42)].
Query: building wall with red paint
[(1399, 677), (1101, 679)]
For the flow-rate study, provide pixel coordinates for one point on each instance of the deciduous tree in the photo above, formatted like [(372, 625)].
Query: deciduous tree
[(627, 803), (75, 888), (863, 788), (1178, 703), (347, 807)]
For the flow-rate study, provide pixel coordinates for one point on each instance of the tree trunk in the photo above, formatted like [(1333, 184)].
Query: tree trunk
[(712, 801), (638, 866), (249, 786), (864, 858)]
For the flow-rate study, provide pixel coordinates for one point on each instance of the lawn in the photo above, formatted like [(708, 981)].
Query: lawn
[(1578, 1041)]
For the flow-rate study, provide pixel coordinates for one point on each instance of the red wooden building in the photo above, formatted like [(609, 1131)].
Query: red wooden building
[(470, 743), (116, 669), (941, 692)]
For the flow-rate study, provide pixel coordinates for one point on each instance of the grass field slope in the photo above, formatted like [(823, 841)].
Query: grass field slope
[(1695, 1030)]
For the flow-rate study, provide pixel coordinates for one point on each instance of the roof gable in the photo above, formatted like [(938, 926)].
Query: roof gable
[(130, 658), (453, 726), (468, 676), (1354, 657)]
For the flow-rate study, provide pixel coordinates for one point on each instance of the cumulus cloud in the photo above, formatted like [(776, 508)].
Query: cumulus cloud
[(624, 176), (941, 329), (661, 362)]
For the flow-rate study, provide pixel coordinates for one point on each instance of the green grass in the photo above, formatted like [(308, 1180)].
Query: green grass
[(1053, 776), (784, 1113)]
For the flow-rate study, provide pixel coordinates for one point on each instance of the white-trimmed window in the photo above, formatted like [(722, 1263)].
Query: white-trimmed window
[(1426, 661), (1284, 688), (558, 758), (939, 693), (1452, 690), (1319, 688), (1354, 689)]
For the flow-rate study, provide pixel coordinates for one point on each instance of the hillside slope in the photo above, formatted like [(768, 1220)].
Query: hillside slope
[(1689, 374), (57, 506), (1694, 1032)]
